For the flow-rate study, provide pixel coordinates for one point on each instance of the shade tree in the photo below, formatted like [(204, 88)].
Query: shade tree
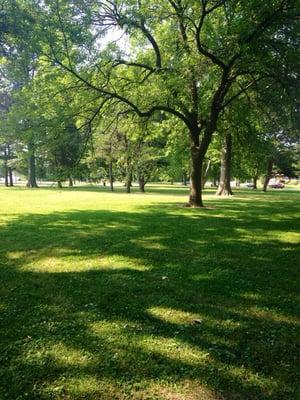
[(190, 60)]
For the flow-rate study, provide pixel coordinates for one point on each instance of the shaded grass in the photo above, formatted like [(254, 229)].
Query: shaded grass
[(116, 296)]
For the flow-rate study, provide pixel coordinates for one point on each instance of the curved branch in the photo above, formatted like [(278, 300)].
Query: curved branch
[(112, 95), (133, 64), (201, 49), (151, 39)]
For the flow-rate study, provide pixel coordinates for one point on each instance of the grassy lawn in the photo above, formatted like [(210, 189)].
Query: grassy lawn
[(116, 296)]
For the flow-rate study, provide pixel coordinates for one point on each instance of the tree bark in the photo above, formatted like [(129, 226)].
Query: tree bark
[(255, 178), (10, 177), (197, 157), (111, 177), (31, 183), (6, 156), (204, 174), (5, 173), (224, 188), (269, 174), (142, 183), (128, 181)]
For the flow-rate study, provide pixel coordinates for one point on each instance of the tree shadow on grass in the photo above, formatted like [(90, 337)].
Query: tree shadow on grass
[(102, 304)]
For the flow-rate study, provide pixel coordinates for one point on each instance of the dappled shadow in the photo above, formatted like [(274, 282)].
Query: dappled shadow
[(125, 300)]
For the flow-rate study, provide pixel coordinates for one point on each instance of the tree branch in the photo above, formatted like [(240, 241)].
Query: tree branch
[(243, 90), (201, 49), (125, 100)]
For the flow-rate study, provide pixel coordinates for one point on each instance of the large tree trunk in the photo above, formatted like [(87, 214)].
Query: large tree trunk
[(111, 177), (197, 157), (197, 149), (224, 188), (31, 168), (269, 174)]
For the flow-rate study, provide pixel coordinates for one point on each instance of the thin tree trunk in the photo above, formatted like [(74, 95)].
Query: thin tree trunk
[(142, 183), (204, 175), (5, 166), (224, 188), (10, 177), (70, 181), (255, 178), (31, 183), (184, 179), (9, 169), (111, 177), (59, 184), (128, 181), (269, 174), (5, 173)]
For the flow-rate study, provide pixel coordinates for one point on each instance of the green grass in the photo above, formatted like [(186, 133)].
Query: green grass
[(99, 293)]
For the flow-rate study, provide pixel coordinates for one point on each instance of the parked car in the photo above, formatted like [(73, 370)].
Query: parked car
[(248, 185), (276, 185)]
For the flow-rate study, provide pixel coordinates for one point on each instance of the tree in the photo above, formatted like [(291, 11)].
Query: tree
[(23, 123), (224, 187), (6, 140), (204, 56)]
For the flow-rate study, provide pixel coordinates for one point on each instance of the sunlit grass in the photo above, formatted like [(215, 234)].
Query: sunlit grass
[(116, 296)]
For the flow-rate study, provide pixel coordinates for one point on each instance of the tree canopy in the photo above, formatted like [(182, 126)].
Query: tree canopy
[(186, 62)]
